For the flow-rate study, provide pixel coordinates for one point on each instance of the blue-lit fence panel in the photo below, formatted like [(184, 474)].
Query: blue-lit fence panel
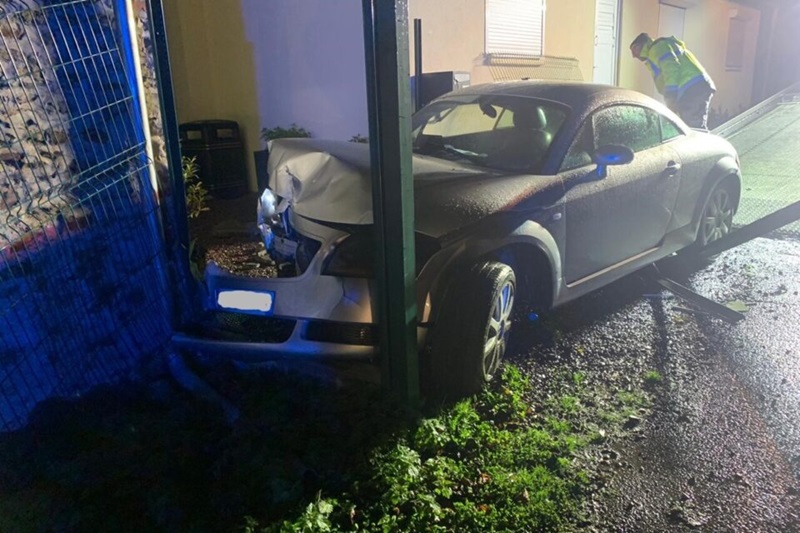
[(82, 297)]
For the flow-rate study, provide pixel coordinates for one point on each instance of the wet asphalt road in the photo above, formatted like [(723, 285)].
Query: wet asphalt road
[(720, 450)]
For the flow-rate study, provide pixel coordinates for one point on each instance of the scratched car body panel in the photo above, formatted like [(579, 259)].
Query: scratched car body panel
[(527, 194)]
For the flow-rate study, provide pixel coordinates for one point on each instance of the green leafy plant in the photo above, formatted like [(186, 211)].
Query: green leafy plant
[(570, 404), (486, 463), (278, 132), (358, 138), (196, 193)]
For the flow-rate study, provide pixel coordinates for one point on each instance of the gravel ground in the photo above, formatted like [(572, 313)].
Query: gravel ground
[(719, 451), (227, 234)]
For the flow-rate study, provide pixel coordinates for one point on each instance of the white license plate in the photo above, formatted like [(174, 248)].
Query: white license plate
[(252, 302)]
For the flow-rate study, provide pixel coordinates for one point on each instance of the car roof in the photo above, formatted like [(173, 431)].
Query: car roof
[(577, 95)]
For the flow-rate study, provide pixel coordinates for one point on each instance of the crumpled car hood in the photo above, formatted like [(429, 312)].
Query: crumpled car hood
[(329, 181)]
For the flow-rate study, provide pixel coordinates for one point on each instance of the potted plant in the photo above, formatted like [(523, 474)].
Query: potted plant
[(261, 156)]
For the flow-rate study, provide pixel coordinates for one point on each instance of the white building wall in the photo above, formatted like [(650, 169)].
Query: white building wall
[(309, 64), (267, 63)]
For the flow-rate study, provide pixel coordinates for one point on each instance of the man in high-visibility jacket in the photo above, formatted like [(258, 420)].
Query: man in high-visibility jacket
[(679, 76)]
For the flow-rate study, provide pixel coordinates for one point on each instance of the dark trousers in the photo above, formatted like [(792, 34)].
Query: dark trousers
[(692, 106)]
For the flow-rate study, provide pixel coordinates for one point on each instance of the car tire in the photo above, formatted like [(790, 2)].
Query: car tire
[(716, 219), (469, 339)]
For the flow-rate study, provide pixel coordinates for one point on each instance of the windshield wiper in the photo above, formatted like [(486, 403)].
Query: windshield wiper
[(464, 153)]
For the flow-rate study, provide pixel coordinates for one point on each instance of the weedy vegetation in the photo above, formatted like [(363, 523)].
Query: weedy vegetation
[(196, 192), (306, 457), (653, 377)]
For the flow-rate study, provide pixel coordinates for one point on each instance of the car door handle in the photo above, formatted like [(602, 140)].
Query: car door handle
[(672, 168)]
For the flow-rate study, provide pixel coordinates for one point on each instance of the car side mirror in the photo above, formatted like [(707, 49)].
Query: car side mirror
[(611, 154)]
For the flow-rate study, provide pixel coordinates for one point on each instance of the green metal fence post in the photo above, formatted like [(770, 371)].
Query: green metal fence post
[(180, 256), (389, 102)]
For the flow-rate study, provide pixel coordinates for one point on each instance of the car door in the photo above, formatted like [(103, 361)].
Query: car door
[(625, 214)]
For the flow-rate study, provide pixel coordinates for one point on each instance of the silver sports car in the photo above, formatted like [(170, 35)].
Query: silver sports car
[(527, 195)]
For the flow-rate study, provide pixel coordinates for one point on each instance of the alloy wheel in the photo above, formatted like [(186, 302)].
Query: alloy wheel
[(718, 216), (498, 328)]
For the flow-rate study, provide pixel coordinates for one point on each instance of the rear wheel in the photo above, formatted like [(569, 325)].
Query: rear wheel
[(717, 218), (470, 337)]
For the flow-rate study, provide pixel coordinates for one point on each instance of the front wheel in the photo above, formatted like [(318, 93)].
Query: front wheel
[(470, 337)]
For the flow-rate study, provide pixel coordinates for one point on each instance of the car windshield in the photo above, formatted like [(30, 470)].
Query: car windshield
[(508, 133)]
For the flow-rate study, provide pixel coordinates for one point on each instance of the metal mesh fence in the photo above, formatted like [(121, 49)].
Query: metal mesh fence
[(82, 293)]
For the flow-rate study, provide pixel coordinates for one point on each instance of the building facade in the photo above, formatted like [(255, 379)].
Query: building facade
[(267, 64)]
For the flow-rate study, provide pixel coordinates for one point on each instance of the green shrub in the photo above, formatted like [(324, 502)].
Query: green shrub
[(278, 132)]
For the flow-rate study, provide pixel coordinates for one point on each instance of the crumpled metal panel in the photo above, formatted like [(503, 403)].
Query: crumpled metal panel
[(329, 181)]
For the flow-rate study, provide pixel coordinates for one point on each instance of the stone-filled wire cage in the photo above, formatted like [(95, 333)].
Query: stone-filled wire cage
[(82, 287)]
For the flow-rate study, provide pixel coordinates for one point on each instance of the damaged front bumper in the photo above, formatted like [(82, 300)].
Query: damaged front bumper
[(314, 315)]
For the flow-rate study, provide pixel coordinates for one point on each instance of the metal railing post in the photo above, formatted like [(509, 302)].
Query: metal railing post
[(389, 102), (180, 254)]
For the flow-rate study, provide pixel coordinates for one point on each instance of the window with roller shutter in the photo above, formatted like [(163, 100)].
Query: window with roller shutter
[(515, 27)]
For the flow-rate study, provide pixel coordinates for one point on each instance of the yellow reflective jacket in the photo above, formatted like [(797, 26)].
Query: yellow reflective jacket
[(674, 67)]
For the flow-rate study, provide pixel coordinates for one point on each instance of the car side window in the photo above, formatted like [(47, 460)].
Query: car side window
[(581, 150), (636, 127), (668, 129), (505, 120)]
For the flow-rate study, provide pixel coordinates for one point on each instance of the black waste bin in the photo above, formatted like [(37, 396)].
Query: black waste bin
[(218, 149)]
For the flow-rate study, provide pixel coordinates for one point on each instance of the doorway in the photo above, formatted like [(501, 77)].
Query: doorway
[(671, 21), (606, 37)]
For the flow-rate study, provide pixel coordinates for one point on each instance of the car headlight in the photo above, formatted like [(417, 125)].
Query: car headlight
[(267, 217), (353, 257), (267, 208)]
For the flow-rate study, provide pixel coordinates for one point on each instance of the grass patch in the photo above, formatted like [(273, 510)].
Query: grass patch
[(308, 458), (489, 463), (653, 377)]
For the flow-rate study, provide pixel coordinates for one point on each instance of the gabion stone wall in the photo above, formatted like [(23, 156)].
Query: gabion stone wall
[(35, 150), (83, 292), (151, 94)]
